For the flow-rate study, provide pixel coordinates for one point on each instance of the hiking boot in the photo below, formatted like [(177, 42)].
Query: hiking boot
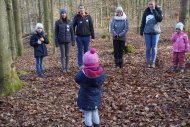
[(87, 126), (174, 69), (67, 70), (96, 125), (63, 70), (152, 65), (148, 64), (181, 70), (42, 76)]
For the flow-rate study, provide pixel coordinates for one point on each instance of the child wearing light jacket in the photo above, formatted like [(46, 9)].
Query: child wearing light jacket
[(119, 28), (180, 43)]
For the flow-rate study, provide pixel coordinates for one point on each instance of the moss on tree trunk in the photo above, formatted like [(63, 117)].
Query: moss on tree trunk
[(9, 81)]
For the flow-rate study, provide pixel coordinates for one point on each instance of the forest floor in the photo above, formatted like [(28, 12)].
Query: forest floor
[(134, 96)]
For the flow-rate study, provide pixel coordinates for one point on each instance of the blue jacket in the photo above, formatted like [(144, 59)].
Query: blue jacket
[(40, 50), (90, 93), (151, 21), (63, 32), (119, 26)]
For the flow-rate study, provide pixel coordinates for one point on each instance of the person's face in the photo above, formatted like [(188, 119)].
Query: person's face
[(151, 5), (119, 13), (64, 15), (178, 30), (39, 30), (82, 9)]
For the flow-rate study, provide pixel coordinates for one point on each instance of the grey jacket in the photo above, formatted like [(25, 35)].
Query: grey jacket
[(151, 21), (119, 27)]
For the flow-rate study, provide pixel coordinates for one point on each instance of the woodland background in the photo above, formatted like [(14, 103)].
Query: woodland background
[(132, 97)]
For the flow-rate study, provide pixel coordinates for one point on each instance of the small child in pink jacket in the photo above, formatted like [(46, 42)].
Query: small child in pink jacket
[(180, 43)]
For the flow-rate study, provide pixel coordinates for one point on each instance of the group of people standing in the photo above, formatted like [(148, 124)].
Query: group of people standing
[(91, 75)]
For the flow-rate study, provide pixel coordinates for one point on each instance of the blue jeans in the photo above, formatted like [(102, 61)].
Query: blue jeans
[(82, 42), (39, 68), (151, 47)]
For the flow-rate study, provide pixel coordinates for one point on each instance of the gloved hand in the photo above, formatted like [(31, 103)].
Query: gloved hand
[(116, 36)]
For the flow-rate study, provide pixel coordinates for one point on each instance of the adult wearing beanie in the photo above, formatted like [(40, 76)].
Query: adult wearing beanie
[(119, 28), (150, 27), (64, 36), (84, 31), (90, 78)]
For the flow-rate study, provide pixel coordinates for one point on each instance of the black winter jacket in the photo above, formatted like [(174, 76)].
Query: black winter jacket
[(63, 32), (40, 50), (84, 25)]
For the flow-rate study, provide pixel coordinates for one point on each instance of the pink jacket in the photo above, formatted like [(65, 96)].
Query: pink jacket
[(180, 42)]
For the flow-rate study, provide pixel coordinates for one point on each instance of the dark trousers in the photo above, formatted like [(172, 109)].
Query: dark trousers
[(64, 48), (118, 52), (179, 58)]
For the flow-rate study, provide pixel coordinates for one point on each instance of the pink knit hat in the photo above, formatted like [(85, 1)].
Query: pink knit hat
[(90, 58)]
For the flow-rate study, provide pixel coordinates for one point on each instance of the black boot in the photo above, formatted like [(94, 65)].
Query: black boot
[(88, 126), (96, 125), (116, 61), (121, 63)]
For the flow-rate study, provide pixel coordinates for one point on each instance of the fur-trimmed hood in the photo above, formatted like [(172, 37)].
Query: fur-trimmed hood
[(123, 17)]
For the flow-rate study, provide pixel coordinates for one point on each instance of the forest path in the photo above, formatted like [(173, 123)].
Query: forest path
[(132, 96)]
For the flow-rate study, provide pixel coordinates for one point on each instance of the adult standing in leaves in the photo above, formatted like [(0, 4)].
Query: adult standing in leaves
[(150, 27), (64, 36), (39, 40), (84, 30), (119, 28)]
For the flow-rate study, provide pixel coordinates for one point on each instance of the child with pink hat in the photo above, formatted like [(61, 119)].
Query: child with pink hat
[(90, 78)]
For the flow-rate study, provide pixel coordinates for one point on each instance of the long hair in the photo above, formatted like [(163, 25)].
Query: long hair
[(63, 20)]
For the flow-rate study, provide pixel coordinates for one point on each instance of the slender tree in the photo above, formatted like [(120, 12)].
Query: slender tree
[(18, 28), (12, 36), (9, 81), (47, 22), (183, 11), (39, 12)]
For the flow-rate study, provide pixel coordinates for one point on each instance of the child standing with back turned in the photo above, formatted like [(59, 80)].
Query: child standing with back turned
[(90, 78), (180, 43)]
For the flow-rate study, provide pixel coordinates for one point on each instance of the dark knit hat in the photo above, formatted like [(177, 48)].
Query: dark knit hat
[(62, 11)]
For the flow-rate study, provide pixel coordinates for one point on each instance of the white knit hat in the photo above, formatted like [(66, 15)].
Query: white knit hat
[(119, 8), (39, 25), (179, 25)]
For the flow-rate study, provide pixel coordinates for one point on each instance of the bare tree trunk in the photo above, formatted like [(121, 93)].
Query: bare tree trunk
[(47, 23), (12, 36), (22, 17), (9, 81), (52, 26), (183, 11), (18, 29), (28, 13), (39, 12)]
